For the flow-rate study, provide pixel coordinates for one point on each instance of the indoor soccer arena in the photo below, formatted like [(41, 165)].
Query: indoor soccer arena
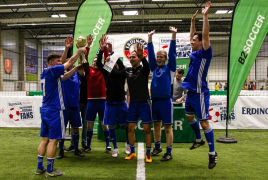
[(133, 89)]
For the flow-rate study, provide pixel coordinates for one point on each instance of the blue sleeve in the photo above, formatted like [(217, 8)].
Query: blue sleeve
[(207, 54), (151, 57), (172, 56), (57, 70)]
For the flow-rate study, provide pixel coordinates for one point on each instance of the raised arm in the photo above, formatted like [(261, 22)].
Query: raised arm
[(151, 54), (192, 28), (172, 50), (68, 43), (145, 64), (103, 44), (68, 74), (89, 40), (205, 33), (74, 57)]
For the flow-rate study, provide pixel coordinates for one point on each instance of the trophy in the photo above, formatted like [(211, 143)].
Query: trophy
[(81, 42)]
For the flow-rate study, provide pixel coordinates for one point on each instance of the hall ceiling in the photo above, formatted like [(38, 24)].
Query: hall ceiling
[(39, 12)]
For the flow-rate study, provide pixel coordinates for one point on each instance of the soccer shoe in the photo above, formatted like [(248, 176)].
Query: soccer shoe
[(128, 150), (87, 149), (130, 156), (70, 149), (166, 157), (156, 151), (148, 158), (54, 173), (78, 153), (115, 153), (109, 150), (83, 147), (61, 154), (212, 160), (198, 144), (40, 171)]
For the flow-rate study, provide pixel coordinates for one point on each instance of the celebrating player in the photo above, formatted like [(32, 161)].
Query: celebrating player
[(161, 95), (197, 101)]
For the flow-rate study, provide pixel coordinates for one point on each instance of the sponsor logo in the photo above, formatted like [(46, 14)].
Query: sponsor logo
[(97, 29), (218, 110), (183, 47), (20, 110), (252, 36), (2, 110), (252, 111), (131, 45)]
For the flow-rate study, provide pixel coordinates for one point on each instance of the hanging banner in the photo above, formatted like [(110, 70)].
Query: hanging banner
[(8, 66), (93, 17), (249, 28)]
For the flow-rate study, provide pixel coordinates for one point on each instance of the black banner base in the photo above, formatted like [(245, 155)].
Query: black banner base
[(227, 140)]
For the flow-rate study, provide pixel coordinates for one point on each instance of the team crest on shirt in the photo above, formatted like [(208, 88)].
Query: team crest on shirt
[(131, 45)]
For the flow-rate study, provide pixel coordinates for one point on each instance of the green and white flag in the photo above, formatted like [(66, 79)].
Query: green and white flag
[(249, 28), (93, 17)]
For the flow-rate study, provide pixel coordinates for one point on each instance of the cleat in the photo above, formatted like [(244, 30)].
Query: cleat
[(148, 158), (109, 150), (115, 153), (40, 171), (70, 149), (87, 149), (156, 151), (61, 154), (54, 173), (130, 156), (198, 144), (212, 160), (78, 153), (83, 147), (166, 157), (128, 150)]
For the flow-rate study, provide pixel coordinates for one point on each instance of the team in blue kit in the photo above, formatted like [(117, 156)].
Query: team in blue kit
[(106, 96)]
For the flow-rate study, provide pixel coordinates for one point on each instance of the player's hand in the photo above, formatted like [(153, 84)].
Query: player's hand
[(83, 49), (69, 42), (178, 100), (150, 34), (109, 47), (193, 18), (173, 29), (79, 67), (89, 39), (139, 50), (107, 59), (103, 42), (205, 10)]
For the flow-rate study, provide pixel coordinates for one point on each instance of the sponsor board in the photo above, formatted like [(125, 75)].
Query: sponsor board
[(20, 110), (131, 45), (183, 46), (218, 111)]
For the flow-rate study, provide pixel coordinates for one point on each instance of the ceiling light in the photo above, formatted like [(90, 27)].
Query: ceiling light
[(163, 20), (130, 13), (119, 1), (62, 15), (231, 11), (221, 12), (120, 21), (13, 5), (55, 16), (169, 0), (38, 24), (57, 3), (217, 20)]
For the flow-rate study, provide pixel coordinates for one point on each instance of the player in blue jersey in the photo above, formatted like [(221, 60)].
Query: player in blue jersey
[(52, 126), (72, 112), (162, 107), (197, 101)]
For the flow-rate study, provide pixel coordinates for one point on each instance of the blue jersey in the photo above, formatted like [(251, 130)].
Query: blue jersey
[(195, 80), (71, 90), (53, 95), (162, 75)]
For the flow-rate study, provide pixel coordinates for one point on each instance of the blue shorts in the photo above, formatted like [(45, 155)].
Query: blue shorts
[(93, 108), (197, 104), (163, 111), (72, 115), (140, 109), (52, 125), (115, 110)]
